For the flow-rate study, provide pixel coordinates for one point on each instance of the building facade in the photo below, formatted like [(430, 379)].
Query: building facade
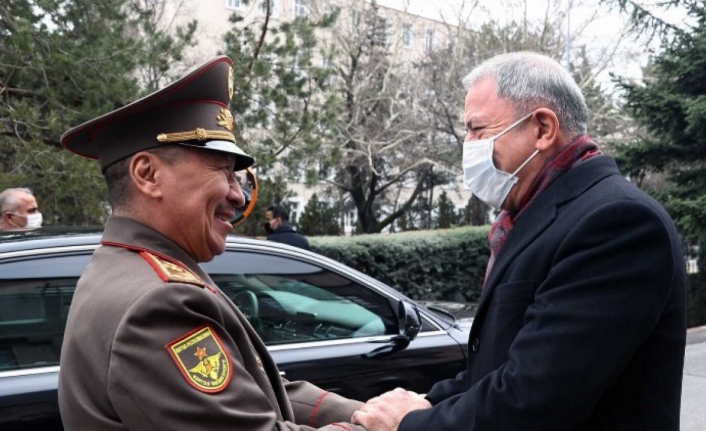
[(408, 36)]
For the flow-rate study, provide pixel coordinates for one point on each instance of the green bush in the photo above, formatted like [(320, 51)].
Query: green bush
[(446, 265), (439, 264)]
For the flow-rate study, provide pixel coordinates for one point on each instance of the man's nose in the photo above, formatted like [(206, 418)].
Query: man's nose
[(235, 195)]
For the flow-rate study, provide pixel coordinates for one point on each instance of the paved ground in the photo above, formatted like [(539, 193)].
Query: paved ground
[(693, 409)]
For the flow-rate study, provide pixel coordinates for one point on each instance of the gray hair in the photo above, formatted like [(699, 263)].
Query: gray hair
[(530, 80), (118, 180), (9, 200)]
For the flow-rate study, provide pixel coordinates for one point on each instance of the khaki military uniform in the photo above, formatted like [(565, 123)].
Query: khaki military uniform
[(152, 343)]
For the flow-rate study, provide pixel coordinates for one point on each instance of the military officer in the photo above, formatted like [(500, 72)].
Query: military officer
[(151, 342)]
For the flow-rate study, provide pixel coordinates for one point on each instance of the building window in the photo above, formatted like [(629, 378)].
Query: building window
[(300, 8), (355, 21), (293, 211), (330, 70), (429, 40), (407, 36), (234, 4), (381, 32), (351, 219), (273, 7)]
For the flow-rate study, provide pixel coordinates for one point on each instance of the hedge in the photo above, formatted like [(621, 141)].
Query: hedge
[(439, 264), (446, 265)]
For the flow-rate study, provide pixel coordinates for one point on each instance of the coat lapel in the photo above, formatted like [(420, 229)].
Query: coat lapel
[(538, 218), (532, 223)]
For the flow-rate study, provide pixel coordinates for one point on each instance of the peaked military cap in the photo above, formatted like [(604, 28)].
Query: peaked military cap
[(192, 111)]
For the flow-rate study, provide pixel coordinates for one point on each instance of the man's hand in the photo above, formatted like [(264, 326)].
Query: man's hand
[(385, 412)]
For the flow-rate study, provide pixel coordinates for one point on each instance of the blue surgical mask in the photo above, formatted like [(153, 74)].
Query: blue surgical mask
[(488, 183)]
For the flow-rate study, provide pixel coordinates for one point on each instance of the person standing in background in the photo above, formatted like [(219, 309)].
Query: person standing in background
[(19, 210), (278, 228)]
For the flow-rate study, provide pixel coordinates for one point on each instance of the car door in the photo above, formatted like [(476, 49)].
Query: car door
[(329, 326), (35, 295)]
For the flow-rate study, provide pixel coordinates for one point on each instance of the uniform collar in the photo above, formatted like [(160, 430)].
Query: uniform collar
[(131, 234), (283, 229)]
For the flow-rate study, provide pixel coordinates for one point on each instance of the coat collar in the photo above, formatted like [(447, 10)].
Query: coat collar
[(283, 229), (541, 214), (131, 234)]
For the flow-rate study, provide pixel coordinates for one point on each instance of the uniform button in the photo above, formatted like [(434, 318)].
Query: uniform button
[(474, 344)]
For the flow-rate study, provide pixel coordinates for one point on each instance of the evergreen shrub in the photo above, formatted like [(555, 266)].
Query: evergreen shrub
[(444, 264)]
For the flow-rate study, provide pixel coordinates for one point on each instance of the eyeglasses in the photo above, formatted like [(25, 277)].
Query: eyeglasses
[(248, 184)]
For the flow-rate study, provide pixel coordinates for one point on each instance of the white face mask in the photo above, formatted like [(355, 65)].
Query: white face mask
[(34, 221), (480, 174)]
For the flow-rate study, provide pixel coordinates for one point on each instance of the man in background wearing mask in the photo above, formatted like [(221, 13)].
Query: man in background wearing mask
[(581, 323), (19, 210), (278, 228)]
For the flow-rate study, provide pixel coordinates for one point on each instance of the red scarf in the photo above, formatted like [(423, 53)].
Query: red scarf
[(580, 149)]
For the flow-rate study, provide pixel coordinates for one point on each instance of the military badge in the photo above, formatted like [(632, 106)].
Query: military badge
[(202, 360), (225, 119)]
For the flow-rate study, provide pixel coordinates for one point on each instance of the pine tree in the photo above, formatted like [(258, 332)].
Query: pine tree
[(475, 213), (446, 212), (319, 218), (62, 63), (670, 107)]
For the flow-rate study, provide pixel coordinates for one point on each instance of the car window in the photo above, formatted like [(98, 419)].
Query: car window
[(35, 295), (289, 301)]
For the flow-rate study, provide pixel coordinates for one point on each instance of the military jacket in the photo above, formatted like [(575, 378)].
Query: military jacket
[(151, 343)]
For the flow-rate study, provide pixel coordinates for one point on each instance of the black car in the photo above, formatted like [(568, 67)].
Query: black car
[(323, 321)]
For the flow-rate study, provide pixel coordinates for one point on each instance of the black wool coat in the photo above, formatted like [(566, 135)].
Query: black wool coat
[(582, 322), (287, 235)]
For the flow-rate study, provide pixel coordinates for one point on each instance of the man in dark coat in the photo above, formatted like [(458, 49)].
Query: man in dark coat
[(581, 323), (151, 343), (278, 228)]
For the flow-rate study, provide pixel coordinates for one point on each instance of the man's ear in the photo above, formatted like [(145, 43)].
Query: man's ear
[(548, 131), (144, 173)]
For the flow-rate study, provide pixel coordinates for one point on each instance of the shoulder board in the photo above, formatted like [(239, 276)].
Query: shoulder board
[(172, 272)]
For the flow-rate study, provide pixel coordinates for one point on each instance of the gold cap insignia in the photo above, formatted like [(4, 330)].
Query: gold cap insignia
[(171, 272), (201, 359), (225, 119)]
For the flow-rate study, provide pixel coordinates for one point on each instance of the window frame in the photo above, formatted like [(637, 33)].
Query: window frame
[(234, 4), (429, 39), (301, 8), (408, 36), (22, 257), (263, 10), (371, 298)]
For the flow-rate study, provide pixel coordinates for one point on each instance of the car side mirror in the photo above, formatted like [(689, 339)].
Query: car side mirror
[(248, 184), (410, 321)]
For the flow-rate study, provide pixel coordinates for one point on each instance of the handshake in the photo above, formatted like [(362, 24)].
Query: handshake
[(384, 413)]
